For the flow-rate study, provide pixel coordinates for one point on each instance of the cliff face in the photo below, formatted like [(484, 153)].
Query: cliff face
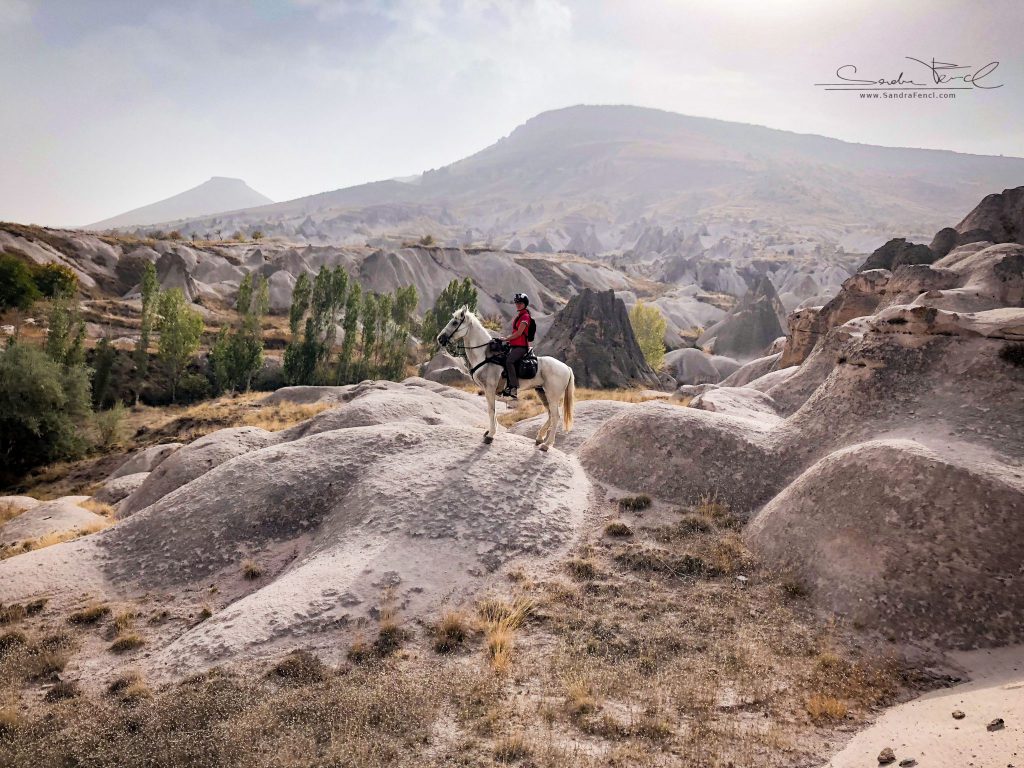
[(1000, 215), (751, 326), (593, 335)]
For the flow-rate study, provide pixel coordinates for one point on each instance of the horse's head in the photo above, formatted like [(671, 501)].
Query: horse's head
[(456, 328)]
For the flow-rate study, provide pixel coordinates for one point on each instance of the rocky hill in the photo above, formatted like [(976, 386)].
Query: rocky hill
[(595, 179), (213, 196)]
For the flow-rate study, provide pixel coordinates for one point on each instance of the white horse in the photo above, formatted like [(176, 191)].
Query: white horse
[(554, 382)]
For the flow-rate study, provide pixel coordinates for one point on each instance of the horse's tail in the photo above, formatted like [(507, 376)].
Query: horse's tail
[(568, 401)]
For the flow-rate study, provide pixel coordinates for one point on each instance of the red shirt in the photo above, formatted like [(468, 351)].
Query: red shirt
[(520, 319)]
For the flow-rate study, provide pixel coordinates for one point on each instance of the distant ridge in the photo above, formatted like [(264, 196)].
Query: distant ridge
[(217, 195)]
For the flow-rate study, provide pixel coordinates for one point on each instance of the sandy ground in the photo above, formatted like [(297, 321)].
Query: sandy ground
[(924, 729)]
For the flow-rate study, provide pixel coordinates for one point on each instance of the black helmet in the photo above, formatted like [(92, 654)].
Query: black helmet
[(521, 297)]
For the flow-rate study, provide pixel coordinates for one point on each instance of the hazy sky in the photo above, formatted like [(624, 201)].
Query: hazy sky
[(106, 105)]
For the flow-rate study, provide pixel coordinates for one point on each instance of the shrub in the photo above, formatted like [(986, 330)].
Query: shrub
[(91, 614), (55, 280), (649, 329), (300, 666), (41, 406), (634, 503), (127, 642), (62, 689), (450, 632), (17, 288), (251, 570), (110, 425), (618, 528), (825, 708)]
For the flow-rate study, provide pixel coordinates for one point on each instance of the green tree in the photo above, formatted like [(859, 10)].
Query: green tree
[(103, 370), (150, 290), (649, 329), (369, 314), (180, 332), (257, 235), (457, 293), (17, 288), (349, 327), (65, 338), (237, 354), (55, 279), (43, 404), (307, 359)]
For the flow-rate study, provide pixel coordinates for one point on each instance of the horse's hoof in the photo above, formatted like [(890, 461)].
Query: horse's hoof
[(488, 439), (545, 448)]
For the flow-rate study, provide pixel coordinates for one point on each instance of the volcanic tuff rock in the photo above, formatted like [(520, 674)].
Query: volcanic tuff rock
[(751, 326), (337, 510), (594, 337), (1000, 214), (886, 469), (694, 366)]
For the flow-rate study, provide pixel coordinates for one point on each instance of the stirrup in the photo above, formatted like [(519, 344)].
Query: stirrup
[(507, 392)]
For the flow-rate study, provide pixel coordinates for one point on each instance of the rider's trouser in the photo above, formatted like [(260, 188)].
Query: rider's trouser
[(515, 354)]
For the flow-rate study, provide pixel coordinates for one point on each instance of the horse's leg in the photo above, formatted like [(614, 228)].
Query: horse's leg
[(553, 417), (490, 394), (543, 427)]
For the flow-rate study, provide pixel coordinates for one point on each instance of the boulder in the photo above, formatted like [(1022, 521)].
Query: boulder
[(694, 366), (145, 460), (445, 369), (118, 488), (897, 252), (593, 335), (195, 459), (927, 553), (58, 516), (1000, 215), (749, 371)]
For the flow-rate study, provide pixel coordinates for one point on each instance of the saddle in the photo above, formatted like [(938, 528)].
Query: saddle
[(526, 367)]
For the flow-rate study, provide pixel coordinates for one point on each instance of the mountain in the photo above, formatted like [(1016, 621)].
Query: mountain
[(218, 194), (649, 184)]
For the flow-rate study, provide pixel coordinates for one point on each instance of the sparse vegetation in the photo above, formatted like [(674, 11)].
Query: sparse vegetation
[(90, 614), (634, 503), (299, 666), (251, 570), (618, 528), (451, 632), (127, 641)]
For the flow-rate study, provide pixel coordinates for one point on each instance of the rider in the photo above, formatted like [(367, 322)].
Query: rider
[(519, 344)]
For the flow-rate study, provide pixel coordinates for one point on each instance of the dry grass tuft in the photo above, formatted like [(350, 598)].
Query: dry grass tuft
[(509, 749), (99, 508), (652, 559), (36, 606), (57, 537), (11, 720), (91, 614), (299, 666), (9, 511), (251, 570), (824, 708), (617, 528), (579, 697), (12, 639), (390, 633), (634, 503), (204, 613), (582, 568), (10, 614), (360, 651), (127, 642), (500, 619), (451, 632), (62, 689), (124, 621)]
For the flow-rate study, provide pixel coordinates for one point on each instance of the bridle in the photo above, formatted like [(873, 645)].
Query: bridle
[(456, 328)]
